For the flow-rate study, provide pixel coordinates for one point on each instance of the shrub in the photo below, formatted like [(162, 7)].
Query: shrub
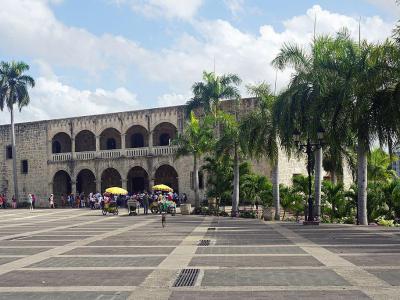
[(249, 214), (383, 222)]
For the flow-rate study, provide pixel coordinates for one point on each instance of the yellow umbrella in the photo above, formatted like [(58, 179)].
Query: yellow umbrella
[(162, 187), (116, 191)]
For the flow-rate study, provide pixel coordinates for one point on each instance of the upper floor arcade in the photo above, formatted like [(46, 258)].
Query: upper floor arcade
[(110, 142)]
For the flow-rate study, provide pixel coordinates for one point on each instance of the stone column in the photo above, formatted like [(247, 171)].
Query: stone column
[(97, 146), (73, 187), (73, 147), (123, 146), (98, 185), (124, 183)]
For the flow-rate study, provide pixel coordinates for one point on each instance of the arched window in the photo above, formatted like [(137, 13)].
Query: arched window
[(111, 144), (164, 139), (137, 140), (56, 147)]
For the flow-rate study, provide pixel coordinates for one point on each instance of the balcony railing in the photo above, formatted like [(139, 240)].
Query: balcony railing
[(61, 156), (85, 155), (137, 152), (112, 154), (164, 150)]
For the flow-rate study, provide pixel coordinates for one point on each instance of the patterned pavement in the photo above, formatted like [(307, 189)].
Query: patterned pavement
[(80, 254)]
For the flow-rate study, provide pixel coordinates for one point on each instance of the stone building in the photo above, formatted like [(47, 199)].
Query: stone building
[(90, 153)]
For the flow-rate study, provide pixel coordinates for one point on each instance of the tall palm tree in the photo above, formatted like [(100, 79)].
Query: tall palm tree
[(301, 104), (14, 90), (229, 143), (196, 140), (260, 132), (213, 88)]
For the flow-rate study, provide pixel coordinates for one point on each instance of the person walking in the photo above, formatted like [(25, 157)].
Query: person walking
[(1, 200), (146, 203), (51, 201), (30, 201), (33, 200), (14, 202)]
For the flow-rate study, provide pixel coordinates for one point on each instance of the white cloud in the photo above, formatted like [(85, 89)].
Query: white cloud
[(50, 99), (235, 6), (173, 99), (169, 9), (29, 28)]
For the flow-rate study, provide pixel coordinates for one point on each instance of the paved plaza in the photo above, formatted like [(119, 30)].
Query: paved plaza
[(80, 254)]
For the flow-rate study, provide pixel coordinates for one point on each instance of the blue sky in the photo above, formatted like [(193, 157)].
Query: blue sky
[(98, 56)]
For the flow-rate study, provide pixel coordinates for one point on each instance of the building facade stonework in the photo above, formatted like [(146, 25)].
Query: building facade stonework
[(90, 153)]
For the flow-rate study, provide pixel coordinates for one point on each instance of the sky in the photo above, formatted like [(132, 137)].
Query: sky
[(99, 56)]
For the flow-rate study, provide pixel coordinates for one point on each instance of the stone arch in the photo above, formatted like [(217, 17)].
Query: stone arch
[(110, 138), (166, 174), (163, 133), (85, 182), (85, 140), (136, 136), (61, 185), (61, 143), (110, 177), (137, 180)]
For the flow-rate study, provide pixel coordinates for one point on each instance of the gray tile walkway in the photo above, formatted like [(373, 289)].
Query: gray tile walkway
[(80, 254)]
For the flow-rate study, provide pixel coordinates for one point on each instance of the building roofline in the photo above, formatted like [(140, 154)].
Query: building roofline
[(110, 114)]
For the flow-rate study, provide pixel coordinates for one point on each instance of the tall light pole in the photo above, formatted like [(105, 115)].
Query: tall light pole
[(309, 148)]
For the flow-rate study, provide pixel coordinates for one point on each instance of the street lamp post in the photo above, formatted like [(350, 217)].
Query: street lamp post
[(309, 148)]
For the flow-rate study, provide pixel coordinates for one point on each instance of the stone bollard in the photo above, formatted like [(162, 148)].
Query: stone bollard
[(186, 209), (267, 214)]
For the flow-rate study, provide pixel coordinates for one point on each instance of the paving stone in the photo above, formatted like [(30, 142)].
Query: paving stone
[(374, 260), (21, 251), (392, 277), (272, 295), (119, 250), (255, 261), (74, 278), (236, 277), (106, 261), (365, 249), (250, 250), (64, 295), (4, 260), (107, 242)]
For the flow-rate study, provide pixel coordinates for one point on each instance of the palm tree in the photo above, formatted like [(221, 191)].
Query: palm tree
[(260, 132), (213, 88), (379, 166), (229, 143), (300, 106), (196, 140), (14, 90)]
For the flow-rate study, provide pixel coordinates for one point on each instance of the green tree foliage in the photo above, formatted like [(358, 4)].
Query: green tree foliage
[(196, 140), (14, 84)]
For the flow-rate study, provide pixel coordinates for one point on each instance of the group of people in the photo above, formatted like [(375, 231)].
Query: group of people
[(4, 203), (97, 200)]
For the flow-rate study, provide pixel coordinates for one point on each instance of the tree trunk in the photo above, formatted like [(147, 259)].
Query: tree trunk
[(275, 189), (318, 181), (235, 198), (334, 177), (14, 155), (362, 181), (196, 181)]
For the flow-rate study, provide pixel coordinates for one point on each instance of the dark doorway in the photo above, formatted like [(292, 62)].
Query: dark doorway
[(86, 182), (138, 180)]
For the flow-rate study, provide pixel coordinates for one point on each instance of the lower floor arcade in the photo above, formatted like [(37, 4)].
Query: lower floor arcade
[(136, 180)]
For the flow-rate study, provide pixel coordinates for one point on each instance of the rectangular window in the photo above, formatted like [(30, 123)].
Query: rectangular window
[(25, 166), (9, 152), (201, 180)]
